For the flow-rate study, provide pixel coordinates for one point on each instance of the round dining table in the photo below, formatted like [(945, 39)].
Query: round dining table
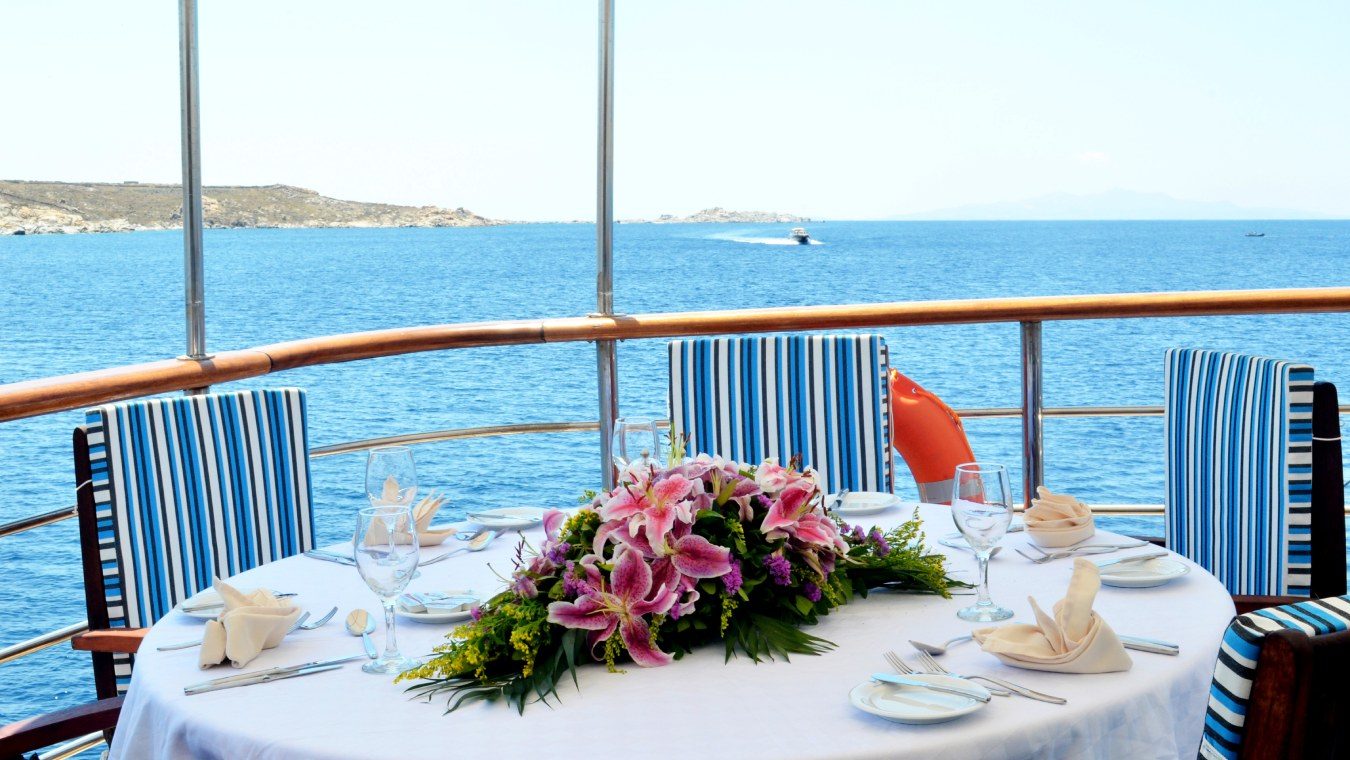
[(701, 705)]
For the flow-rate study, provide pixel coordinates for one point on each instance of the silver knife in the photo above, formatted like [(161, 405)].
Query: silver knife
[(1149, 645), (262, 677), (275, 671), (907, 681), (221, 603)]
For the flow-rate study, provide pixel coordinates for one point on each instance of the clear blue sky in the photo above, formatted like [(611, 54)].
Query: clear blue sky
[(838, 109)]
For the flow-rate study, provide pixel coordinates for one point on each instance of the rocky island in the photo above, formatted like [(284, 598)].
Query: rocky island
[(28, 208), (719, 215)]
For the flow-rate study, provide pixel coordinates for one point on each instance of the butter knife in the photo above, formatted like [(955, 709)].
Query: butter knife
[(262, 677), (1128, 560), (907, 681)]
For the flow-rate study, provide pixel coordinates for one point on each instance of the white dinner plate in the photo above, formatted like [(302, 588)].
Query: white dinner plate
[(1153, 572), (857, 503), (915, 704), (441, 617), (507, 518), (208, 595)]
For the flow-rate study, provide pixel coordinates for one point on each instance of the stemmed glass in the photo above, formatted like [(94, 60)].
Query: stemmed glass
[(982, 509), (386, 556), (391, 476), (636, 440)]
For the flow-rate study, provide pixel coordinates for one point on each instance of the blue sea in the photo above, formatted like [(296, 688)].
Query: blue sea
[(81, 302)]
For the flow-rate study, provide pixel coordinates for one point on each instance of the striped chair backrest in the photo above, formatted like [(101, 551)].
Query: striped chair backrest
[(824, 398), (1226, 715), (192, 488), (1239, 468)]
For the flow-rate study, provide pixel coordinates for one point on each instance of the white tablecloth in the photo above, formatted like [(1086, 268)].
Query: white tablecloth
[(697, 706)]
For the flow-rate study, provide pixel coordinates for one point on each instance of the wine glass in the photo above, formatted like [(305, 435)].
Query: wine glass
[(982, 509), (391, 476), (637, 441), (386, 557)]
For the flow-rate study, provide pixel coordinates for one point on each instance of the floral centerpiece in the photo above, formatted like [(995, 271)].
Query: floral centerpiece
[(669, 560)]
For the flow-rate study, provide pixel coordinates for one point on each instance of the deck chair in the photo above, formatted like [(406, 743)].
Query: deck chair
[(1254, 491), (1279, 684), (178, 492), (821, 399)]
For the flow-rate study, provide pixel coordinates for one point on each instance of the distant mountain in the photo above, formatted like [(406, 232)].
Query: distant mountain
[(1110, 205), (69, 207), (720, 215)]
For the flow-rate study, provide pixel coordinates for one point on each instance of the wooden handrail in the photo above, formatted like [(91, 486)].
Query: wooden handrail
[(54, 394)]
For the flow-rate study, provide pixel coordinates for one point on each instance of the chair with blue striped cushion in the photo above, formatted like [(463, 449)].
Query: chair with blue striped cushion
[(1240, 476), (824, 399), (178, 491), (1279, 684)]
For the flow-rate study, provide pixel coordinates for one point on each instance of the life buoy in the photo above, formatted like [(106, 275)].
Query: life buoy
[(929, 436)]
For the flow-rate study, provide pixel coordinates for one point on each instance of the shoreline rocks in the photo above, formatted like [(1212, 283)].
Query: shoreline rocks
[(46, 208)]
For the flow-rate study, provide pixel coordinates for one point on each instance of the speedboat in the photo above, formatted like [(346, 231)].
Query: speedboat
[(1256, 234), (800, 235)]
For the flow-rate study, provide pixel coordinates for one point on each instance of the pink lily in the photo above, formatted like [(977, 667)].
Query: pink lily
[(654, 509), (621, 608), (788, 508), (553, 522)]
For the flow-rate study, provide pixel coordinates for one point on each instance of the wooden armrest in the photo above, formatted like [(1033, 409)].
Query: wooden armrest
[(1247, 603), (116, 640), (63, 725)]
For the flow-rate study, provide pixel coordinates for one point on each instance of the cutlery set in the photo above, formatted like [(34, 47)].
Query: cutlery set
[(358, 625), (1042, 556), (928, 665)]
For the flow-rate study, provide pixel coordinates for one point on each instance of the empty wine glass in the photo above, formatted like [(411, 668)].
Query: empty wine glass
[(637, 443), (391, 476), (386, 556), (982, 509)]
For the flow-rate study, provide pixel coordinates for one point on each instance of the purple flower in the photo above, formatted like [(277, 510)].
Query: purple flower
[(883, 548), (732, 580), (557, 553), (875, 536), (811, 590), (859, 533), (476, 613), (780, 570), (572, 585)]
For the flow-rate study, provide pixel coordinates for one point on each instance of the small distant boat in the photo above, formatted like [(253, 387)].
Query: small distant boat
[(800, 235), (1256, 234)]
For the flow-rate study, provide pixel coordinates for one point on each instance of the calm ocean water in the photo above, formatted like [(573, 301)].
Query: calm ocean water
[(72, 303)]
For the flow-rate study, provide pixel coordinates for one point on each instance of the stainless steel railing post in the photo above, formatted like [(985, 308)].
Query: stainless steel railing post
[(605, 361), (194, 297), (1033, 452)]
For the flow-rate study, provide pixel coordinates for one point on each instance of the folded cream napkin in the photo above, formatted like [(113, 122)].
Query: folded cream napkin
[(250, 623), (1057, 519), (1075, 640), (423, 513)]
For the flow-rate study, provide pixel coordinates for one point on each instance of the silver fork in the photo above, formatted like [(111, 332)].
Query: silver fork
[(933, 666), (903, 668), (299, 624)]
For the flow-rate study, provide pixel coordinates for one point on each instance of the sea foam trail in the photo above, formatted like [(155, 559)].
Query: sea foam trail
[(732, 237)]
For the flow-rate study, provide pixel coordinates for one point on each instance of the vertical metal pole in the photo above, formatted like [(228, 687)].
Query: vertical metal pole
[(1033, 454), (194, 291), (606, 368)]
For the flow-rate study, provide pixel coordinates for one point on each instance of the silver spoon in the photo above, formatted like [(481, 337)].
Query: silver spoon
[(477, 544), (360, 623), (939, 650)]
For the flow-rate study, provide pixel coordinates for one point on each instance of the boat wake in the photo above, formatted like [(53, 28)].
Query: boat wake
[(732, 237)]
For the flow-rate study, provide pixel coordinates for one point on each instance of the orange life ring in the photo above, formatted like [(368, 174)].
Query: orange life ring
[(929, 436)]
